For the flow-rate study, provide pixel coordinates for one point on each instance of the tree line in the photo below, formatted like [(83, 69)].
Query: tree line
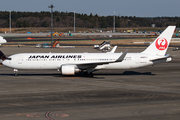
[(65, 19)]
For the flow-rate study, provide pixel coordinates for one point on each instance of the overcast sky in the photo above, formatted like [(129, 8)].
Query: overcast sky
[(139, 8)]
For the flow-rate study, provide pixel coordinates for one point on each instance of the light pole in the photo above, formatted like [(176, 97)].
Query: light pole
[(74, 21), (114, 22), (9, 21), (51, 23)]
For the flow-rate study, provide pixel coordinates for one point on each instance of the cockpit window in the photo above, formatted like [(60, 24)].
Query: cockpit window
[(8, 58)]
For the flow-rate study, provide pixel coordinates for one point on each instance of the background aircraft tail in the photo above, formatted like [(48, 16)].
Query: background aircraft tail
[(160, 45), (2, 56)]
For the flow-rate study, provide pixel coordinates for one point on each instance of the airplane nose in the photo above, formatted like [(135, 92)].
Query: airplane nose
[(4, 62)]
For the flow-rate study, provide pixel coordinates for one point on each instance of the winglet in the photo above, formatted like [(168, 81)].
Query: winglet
[(113, 50), (121, 58)]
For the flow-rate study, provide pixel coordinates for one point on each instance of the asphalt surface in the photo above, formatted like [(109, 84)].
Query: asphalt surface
[(74, 34), (29, 41), (149, 93), (33, 40)]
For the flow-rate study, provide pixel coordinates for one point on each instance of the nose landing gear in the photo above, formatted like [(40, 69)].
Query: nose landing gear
[(16, 72)]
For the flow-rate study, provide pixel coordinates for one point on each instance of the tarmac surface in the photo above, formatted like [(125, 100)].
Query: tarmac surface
[(149, 93), (74, 34)]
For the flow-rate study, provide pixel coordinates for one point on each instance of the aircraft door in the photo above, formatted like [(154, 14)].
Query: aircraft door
[(20, 60), (143, 59), (137, 59)]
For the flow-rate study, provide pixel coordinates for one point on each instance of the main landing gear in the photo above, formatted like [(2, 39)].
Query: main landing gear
[(88, 74), (16, 72)]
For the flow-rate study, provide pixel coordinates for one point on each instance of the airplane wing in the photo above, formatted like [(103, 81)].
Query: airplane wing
[(94, 64), (121, 58)]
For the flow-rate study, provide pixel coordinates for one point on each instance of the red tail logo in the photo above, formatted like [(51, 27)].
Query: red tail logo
[(161, 43)]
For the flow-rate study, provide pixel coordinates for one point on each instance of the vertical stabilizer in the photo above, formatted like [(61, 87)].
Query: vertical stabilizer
[(113, 50), (160, 45), (2, 56)]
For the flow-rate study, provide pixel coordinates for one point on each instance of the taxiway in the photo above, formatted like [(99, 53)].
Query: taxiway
[(138, 94)]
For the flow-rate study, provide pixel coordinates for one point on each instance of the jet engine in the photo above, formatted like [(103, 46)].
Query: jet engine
[(69, 70)]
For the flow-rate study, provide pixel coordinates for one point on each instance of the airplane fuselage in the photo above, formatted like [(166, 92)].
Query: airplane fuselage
[(56, 60)]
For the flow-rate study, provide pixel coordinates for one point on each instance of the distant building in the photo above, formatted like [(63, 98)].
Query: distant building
[(153, 25)]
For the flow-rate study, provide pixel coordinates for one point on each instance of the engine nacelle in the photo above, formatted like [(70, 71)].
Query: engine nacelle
[(69, 70)]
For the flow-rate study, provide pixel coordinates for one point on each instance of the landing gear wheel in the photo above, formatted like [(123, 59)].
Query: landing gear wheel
[(91, 74), (15, 72), (88, 74)]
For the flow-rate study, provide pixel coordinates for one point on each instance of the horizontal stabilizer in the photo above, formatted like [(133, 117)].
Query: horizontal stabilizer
[(161, 58)]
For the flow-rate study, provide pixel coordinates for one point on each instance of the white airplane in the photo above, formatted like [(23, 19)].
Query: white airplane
[(71, 63), (2, 40)]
